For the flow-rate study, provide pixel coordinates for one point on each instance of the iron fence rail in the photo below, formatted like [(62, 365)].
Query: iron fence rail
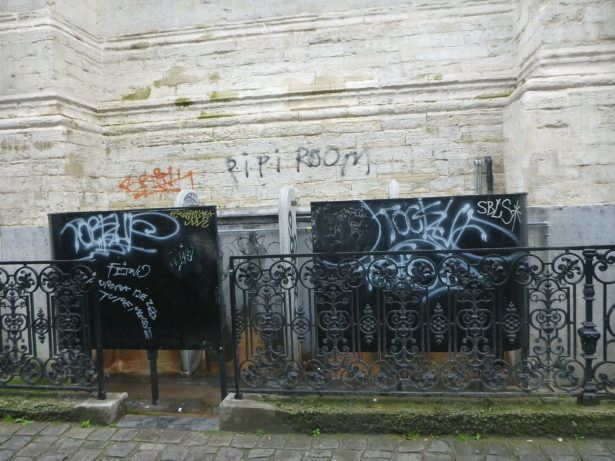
[(49, 326), (437, 322)]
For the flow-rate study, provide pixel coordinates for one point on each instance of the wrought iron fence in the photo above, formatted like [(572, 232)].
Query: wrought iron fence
[(506, 321), (49, 324)]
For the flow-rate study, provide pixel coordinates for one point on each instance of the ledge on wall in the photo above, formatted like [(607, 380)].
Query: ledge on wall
[(423, 415), (62, 406)]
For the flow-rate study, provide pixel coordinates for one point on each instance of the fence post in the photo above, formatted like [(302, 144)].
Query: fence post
[(189, 359), (234, 327), (100, 360), (589, 333)]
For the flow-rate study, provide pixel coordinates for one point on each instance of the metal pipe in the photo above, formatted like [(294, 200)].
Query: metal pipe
[(478, 163), (489, 166)]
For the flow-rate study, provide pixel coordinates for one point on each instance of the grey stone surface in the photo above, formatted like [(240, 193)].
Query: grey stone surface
[(32, 429), (103, 411), (272, 441), (590, 222), (124, 434), (55, 429), (103, 434), (24, 243), (245, 441), (353, 442), (174, 453), (381, 443), (288, 455), (120, 449), (98, 443)]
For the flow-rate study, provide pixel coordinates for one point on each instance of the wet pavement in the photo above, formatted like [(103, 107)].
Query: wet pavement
[(197, 395), (162, 438), (184, 427)]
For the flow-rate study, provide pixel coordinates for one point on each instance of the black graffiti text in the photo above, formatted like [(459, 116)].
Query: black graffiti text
[(261, 165)]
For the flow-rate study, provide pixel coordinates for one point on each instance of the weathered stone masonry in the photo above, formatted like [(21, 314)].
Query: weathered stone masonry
[(333, 97)]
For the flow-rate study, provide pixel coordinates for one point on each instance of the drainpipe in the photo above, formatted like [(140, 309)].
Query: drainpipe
[(478, 163), (489, 165)]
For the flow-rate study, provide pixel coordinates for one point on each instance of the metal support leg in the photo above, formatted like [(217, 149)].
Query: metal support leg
[(152, 355)]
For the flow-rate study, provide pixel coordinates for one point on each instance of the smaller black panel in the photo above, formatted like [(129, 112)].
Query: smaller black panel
[(157, 272)]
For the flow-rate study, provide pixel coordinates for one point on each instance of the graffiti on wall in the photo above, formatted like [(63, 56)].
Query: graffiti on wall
[(119, 234), (260, 165), (417, 224), (159, 181)]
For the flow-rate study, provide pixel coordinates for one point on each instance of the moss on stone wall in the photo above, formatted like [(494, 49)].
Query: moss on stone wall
[(183, 102), (432, 416), (138, 94), (40, 406)]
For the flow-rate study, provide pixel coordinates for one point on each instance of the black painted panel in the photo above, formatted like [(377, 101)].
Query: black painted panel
[(433, 223), (157, 273)]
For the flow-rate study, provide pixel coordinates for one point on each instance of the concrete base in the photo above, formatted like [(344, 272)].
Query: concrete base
[(102, 411), (62, 406), (532, 416), (250, 415)]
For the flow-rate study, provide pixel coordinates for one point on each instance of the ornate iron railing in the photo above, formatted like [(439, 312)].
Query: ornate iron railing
[(49, 325), (506, 321)]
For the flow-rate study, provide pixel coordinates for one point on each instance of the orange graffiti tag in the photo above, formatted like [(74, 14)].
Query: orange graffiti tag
[(158, 182)]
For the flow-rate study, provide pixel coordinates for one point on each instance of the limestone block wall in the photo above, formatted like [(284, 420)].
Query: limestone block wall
[(336, 101), (559, 123), (50, 137), (119, 104)]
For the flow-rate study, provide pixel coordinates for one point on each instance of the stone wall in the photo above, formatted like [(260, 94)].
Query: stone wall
[(117, 104)]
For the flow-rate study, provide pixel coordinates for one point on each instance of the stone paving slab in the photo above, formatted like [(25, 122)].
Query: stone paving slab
[(161, 440)]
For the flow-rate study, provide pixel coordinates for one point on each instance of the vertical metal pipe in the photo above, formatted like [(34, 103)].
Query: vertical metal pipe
[(478, 163), (589, 332), (234, 329), (100, 362), (489, 168)]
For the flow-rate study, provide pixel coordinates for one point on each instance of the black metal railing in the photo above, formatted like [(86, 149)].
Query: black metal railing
[(505, 321), (49, 325)]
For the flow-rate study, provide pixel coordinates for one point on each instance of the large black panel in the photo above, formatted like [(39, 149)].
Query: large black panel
[(433, 223), (157, 273)]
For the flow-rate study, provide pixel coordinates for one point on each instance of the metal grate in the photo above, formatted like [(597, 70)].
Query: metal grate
[(505, 321), (49, 325)]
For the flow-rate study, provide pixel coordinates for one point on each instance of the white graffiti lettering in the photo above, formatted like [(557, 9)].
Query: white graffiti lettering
[(181, 256), (114, 233), (502, 209), (431, 226), (129, 305), (122, 270)]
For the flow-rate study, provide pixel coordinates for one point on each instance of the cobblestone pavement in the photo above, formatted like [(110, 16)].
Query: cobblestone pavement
[(60, 441)]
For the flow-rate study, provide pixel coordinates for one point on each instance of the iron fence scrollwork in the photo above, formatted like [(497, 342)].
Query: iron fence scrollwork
[(506, 321), (49, 325)]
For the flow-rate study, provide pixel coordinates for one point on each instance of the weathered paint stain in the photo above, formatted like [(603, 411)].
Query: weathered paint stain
[(503, 94), (138, 94), (175, 76), (74, 167), (432, 129), (139, 46), (183, 102), (204, 115), (222, 95), (466, 138)]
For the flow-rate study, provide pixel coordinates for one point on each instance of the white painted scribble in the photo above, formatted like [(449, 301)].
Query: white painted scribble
[(123, 270), (427, 227), (502, 209), (114, 233), (181, 256), (131, 299)]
